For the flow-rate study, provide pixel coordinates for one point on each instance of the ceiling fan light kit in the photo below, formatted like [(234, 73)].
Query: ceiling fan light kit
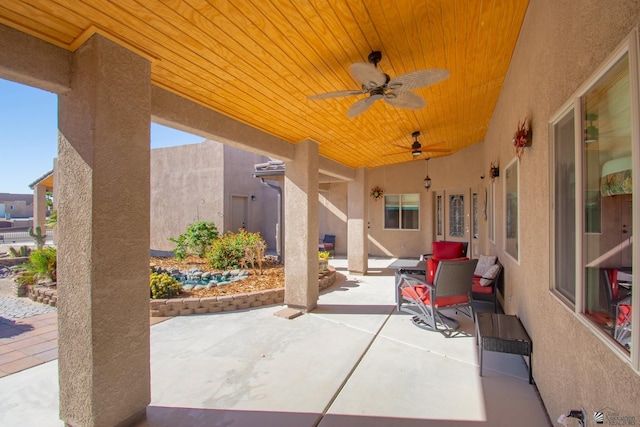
[(378, 85)]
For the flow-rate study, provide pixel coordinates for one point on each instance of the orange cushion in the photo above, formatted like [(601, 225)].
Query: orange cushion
[(422, 293), (624, 314), (415, 292), (447, 250), (447, 301)]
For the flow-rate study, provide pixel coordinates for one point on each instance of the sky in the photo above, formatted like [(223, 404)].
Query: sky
[(29, 136)]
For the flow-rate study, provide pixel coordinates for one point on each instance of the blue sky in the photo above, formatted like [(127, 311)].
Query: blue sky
[(29, 135)]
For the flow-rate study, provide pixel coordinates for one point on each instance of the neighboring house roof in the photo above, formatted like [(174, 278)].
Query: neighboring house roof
[(10, 197), (46, 180), (271, 169)]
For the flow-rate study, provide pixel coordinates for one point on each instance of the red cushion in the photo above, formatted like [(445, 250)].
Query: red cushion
[(477, 288), (447, 250), (432, 266)]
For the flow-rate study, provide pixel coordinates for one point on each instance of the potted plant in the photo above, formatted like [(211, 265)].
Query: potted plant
[(323, 261)]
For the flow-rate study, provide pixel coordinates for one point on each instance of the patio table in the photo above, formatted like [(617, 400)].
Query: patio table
[(407, 266), (503, 333)]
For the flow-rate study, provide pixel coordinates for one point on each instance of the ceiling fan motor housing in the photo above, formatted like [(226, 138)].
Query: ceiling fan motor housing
[(375, 57)]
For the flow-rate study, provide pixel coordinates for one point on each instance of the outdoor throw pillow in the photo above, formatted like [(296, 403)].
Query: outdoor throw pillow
[(446, 250), (490, 275), (484, 262)]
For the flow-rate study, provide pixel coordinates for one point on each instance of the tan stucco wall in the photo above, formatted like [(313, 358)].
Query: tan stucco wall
[(560, 46), (186, 186), (238, 181), (460, 170), (195, 182), (332, 213)]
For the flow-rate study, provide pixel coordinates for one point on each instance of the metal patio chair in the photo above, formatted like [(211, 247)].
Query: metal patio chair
[(451, 289)]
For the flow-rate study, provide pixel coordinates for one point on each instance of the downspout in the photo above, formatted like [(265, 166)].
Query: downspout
[(279, 235)]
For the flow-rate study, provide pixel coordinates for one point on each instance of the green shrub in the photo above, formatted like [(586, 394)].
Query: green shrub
[(163, 286), (227, 251), (42, 265), (23, 252), (196, 240)]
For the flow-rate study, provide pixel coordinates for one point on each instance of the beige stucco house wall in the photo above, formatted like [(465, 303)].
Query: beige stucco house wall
[(198, 182)]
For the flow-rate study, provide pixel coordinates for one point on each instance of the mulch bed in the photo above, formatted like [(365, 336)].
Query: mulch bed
[(272, 277)]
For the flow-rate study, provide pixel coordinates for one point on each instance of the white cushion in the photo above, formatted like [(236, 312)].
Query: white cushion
[(490, 275), (484, 262)]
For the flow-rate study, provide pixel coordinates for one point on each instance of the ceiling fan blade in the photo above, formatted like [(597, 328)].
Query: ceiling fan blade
[(417, 79), (368, 75), (436, 150), (336, 94), (404, 99), (397, 153), (362, 105)]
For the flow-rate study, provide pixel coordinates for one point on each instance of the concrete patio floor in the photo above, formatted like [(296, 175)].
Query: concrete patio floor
[(354, 361)]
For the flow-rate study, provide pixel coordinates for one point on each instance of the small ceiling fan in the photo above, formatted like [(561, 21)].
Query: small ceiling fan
[(378, 85), (416, 148)]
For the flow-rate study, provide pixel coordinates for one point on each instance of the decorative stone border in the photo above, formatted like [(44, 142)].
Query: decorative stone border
[(43, 295), (186, 306)]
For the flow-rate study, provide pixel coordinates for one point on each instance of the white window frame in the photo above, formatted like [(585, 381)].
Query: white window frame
[(384, 225), (491, 218), (513, 162), (628, 46)]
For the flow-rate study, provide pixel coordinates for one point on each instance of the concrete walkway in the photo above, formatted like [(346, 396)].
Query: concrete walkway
[(354, 361)]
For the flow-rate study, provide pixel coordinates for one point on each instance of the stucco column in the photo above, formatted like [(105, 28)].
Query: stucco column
[(40, 208), (357, 225), (301, 227), (103, 242)]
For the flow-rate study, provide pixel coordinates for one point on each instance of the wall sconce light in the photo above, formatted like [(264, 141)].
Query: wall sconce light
[(494, 171), (427, 180), (253, 198)]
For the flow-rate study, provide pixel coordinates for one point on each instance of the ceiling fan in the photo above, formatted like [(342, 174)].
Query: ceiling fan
[(378, 85), (416, 148)]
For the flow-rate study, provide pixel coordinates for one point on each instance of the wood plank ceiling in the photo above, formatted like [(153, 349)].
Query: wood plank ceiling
[(258, 60)]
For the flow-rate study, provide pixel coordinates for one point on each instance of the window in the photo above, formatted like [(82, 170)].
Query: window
[(564, 206), (511, 209), (489, 215), (592, 174), (402, 212), (608, 192), (475, 215), (12, 207), (439, 215), (456, 215)]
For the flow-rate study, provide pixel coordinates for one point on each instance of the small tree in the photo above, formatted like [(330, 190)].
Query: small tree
[(196, 240)]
